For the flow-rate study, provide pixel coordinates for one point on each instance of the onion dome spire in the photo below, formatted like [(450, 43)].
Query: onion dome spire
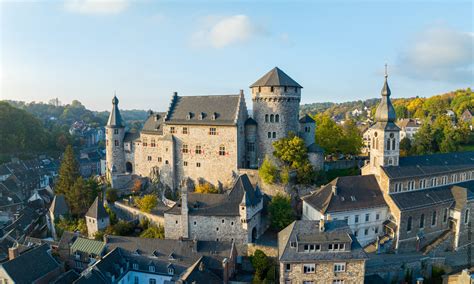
[(115, 119), (385, 110)]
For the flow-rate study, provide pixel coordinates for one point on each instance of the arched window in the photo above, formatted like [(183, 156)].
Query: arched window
[(466, 216), (422, 221), (277, 118), (274, 135), (221, 150), (272, 118), (393, 144), (388, 144), (409, 224), (433, 219), (271, 89), (266, 117)]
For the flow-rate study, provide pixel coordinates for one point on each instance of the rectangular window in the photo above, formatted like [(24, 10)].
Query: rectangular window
[(117, 143), (288, 267), (149, 158), (198, 149), (222, 150), (198, 165), (185, 130), (274, 135), (376, 230), (153, 143), (346, 218), (366, 232), (185, 163), (152, 281), (172, 130), (212, 131), (115, 131), (309, 268), (356, 219), (160, 159), (269, 134), (338, 281), (434, 182), (145, 142), (135, 280), (367, 217), (377, 216), (251, 147), (340, 267), (185, 148), (445, 215)]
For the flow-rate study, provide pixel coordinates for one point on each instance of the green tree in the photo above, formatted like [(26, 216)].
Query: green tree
[(122, 228), (281, 212), (351, 141), (206, 187), (328, 133), (147, 202), (111, 195), (260, 263), (423, 143), (268, 172), (153, 232), (68, 172), (405, 147)]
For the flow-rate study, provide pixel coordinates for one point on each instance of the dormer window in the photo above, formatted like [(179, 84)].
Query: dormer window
[(189, 115), (170, 270), (135, 266), (151, 268), (214, 116), (201, 116)]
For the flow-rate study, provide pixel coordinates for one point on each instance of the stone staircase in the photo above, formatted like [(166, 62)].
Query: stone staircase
[(436, 242), (371, 247)]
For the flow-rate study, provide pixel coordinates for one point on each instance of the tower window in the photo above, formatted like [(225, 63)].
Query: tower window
[(433, 219), (269, 134), (259, 89), (185, 148), (198, 149), (274, 134), (117, 143), (466, 216), (185, 163), (277, 118), (266, 117), (149, 158), (271, 89), (198, 165), (145, 142), (409, 224), (272, 118), (115, 131), (160, 159)]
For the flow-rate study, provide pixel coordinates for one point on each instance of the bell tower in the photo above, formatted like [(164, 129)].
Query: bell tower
[(385, 134), (114, 134)]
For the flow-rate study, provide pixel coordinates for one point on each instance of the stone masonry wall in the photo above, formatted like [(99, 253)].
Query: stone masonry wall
[(115, 155), (324, 272)]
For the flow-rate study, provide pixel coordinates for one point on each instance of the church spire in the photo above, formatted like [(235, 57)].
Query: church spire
[(115, 119), (385, 110)]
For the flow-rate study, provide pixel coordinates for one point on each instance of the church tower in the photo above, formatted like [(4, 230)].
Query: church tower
[(114, 134), (385, 134), (276, 100)]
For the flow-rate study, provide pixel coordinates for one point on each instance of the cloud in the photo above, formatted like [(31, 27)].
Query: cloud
[(439, 54), (221, 32), (96, 6)]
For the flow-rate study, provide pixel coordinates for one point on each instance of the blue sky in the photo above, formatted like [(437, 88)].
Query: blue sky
[(145, 50)]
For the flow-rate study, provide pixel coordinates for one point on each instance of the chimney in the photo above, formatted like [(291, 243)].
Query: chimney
[(13, 252), (321, 225), (334, 190)]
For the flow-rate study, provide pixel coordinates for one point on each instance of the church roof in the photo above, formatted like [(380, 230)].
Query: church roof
[(385, 115), (250, 121), (276, 77), (97, 210), (353, 193), (115, 119), (433, 164), (204, 110)]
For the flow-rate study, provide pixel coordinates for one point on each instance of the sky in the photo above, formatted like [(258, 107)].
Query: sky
[(144, 50)]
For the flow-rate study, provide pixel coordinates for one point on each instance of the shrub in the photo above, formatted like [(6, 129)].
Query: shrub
[(206, 187), (268, 172), (147, 202), (281, 212)]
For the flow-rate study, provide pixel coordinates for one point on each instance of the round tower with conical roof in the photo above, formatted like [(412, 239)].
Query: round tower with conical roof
[(114, 134), (276, 99), (385, 136)]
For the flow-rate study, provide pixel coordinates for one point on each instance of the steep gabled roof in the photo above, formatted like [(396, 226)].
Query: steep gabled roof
[(97, 210), (115, 119), (59, 206), (307, 119), (276, 77)]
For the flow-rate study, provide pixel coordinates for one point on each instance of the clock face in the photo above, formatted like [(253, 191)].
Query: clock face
[(392, 135)]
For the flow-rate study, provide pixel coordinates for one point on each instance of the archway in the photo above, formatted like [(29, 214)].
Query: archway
[(129, 167)]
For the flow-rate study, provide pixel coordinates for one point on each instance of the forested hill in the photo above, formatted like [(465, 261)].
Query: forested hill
[(457, 101)]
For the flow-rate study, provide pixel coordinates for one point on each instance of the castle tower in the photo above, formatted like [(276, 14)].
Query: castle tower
[(114, 134), (184, 211), (276, 100), (385, 136)]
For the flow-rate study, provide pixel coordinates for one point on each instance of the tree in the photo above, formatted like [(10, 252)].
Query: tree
[(260, 263), (153, 232), (206, 187), (328, 133), (405, 147), (122, 228), (281, 212), (111, 195), (147, 202), (268, 172), (68, 172), (422, 143), (351, 141)]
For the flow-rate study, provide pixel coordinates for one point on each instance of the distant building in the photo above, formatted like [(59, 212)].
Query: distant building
[(235, 215), (408, 128), (85, 252), (97, 218), (58, 210), (320, 252)]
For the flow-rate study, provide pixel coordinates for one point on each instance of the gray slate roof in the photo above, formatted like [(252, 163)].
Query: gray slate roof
[(307, 119), (97, 210), (432, 196), (426, 165), (204, 110), (37, 262), (302, 229), (67, 277), (115, 119), (275, 77), (353, 193), (221, 204), (385, 115), (59, 206), (154, 123)]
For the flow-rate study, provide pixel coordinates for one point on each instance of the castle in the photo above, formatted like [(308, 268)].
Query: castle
[(209, 138)]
